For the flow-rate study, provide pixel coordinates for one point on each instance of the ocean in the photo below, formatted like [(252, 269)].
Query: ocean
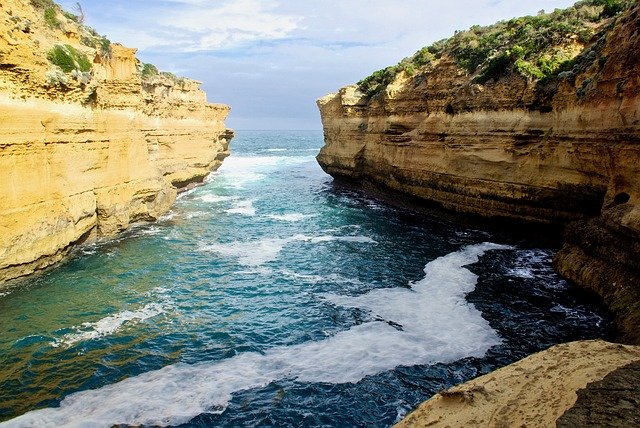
[(272, 296)]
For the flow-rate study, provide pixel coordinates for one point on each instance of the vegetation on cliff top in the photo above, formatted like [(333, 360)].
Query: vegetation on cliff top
[(68, 59), (536, 47)]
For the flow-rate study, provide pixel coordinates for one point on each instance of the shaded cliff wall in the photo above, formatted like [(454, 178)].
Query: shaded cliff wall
[(85, 155), (514, 148)]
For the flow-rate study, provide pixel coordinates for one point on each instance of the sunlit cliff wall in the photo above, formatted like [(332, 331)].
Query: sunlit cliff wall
[(84, 155)]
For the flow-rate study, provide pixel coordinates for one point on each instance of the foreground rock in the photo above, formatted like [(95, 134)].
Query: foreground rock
[(86, 153), (504, 145), (538, 390)]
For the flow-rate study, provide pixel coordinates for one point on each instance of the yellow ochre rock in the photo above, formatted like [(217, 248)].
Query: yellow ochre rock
[(533, 392), (85, 154), (514, 148)]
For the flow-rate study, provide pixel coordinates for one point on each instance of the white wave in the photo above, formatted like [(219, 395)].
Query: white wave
[(252, 253), (167, 216), (186, 192), (195, 214), (243, 208), (277, 150), (431, 322), (290, 217), (215, 198), (109, 325), (329, 238), (259, 252), (531, 264), (333, 278)]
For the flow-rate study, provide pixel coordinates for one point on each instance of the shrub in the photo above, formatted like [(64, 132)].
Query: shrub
[(68, 59), (56, 78), (71, 16), (51, 17), (41, 4), (148, 70), (611, 8), (533, 46), (104, 45)]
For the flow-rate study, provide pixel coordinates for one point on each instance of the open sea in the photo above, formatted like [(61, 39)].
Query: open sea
[(271, 296)]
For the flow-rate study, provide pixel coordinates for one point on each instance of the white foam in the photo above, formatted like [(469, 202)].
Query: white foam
[(290, 217), (243, 208), (208, 197), (329, 238), (433, 323), (530, 263), (259, 252), (333, 278), (195, 214), (277, 150), (109, 325), (252, 253)]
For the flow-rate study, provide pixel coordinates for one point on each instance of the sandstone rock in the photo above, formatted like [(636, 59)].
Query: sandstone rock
[(513, 149), (533, 392), (81, 160)]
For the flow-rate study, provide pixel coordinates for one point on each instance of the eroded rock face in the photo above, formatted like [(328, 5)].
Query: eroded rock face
[(514, 149), (88, 157), (535, 391)]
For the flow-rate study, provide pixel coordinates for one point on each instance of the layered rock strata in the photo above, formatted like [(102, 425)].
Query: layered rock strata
[(542, 390), (513, 148), (87, 154)]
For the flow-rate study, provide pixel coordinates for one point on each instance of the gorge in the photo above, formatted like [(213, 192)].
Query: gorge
[(144, 282)]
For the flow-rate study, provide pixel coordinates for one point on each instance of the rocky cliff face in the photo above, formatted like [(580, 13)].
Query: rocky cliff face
[(509, 146), (543, 390), (86, 153)]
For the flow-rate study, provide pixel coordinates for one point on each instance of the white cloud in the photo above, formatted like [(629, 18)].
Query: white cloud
[(270, 59), (204, 27)]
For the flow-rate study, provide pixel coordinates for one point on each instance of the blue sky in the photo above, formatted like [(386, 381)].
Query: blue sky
[(270, 60)]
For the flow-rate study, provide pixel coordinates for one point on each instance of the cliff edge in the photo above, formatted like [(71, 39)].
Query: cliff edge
[(550, 388), (91, 139), (535, 120)]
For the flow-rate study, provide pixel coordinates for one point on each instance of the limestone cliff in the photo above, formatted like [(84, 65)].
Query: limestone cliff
[(541, 133), (542, 390), (87, 146)]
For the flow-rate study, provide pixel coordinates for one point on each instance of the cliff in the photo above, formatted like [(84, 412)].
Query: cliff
[(546, 389), (535, 120), (88, 145)]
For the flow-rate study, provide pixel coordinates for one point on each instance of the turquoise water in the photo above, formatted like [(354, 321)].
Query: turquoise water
[(272, 296)]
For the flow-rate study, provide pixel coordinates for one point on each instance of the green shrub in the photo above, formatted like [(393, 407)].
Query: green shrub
[(41, 4), (51, 17), (148, 70), (531, 45), (611, 8), (104, 45), (71, 16), (68, 59)]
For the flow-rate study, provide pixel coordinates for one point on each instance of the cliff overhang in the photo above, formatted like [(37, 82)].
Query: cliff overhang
[(501, 144)]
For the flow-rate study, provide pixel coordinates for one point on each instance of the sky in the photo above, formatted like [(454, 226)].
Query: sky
[(270, 60)]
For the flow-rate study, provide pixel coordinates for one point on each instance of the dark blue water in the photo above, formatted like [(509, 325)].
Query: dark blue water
[(273, 297)]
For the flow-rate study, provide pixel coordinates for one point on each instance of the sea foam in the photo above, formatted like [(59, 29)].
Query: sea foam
[(427, 323), (259, 252)]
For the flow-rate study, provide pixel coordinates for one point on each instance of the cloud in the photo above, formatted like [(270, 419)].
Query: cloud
[(270, 59), (199, 26)]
